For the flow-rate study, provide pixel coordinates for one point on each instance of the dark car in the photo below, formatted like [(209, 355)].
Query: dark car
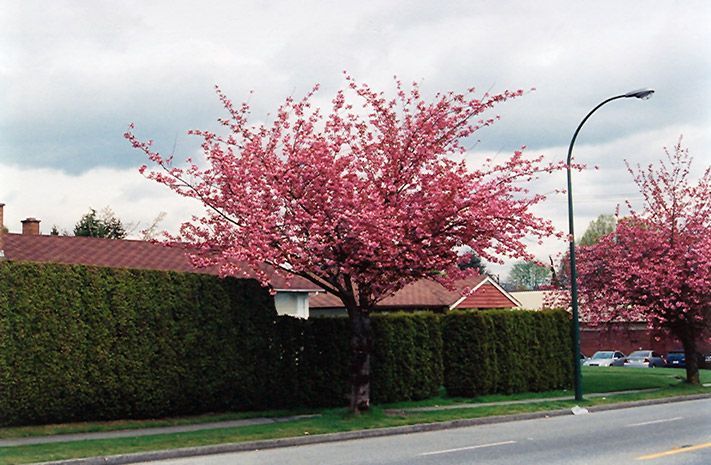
[(676, 359)]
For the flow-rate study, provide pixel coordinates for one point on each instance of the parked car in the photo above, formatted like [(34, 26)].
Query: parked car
[(644, 359), (706, 361), (605, 358), (676, 359)]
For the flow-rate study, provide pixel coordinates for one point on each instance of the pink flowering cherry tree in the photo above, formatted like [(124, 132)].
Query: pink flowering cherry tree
[(656, 265), (361, 201)]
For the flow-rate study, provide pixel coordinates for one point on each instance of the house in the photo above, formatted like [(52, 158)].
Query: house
[(476, 292), (291, 298), (297, 297)]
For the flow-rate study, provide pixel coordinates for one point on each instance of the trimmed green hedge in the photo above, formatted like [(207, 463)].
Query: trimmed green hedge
[(407, 357), (82, 343), (310, 362), (312, 359), (505, 351)]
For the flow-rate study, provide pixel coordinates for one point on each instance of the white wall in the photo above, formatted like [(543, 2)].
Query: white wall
[(530, 300), (292, 303)]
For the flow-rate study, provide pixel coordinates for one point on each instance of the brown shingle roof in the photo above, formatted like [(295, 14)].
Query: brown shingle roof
[(429, 294), (114, 253)]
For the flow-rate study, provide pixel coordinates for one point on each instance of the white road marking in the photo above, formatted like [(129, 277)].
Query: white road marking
[(655, 421), (481, 446)]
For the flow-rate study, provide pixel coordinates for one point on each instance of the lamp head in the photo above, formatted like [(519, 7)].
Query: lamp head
[(643, 94)]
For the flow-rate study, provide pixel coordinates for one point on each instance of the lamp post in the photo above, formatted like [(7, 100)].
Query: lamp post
[(640, 94)]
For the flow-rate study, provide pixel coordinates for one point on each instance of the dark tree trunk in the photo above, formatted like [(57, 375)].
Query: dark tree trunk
[(361, 348), (692, 361)]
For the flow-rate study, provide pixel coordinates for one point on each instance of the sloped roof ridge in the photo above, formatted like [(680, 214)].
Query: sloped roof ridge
[(120, 253)]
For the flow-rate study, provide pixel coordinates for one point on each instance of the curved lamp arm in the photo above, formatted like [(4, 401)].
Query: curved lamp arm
[(643, 94), (580, 126), (640, 94)]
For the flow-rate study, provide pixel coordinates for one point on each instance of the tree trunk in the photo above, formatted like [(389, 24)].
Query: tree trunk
[(692, 361), (361, 348)]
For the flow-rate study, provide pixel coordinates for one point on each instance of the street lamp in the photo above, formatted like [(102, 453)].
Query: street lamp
[(643, 94)]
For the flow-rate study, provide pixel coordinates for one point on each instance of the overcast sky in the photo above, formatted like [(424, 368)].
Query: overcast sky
[(73, 75)]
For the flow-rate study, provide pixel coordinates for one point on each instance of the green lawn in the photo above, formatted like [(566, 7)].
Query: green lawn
[(599, 379), (666, 382), (595, 380)]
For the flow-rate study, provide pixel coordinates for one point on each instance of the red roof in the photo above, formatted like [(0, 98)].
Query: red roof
[(486, 296), (427, 294), (113, 253)]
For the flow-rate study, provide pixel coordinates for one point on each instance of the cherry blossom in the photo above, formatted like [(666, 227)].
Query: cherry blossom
[(361, 200), (656, 265)]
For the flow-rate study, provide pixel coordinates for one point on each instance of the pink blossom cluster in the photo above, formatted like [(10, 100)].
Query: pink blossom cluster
[(656, 266), (360, 201)]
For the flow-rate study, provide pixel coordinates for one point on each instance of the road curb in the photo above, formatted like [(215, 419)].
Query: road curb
[(351, 435), (642, 403)]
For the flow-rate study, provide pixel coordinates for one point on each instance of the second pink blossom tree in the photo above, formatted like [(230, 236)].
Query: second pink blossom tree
[(656, 265)]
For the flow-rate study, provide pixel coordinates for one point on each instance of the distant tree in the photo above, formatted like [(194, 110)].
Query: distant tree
[(105, 224), (528, 275), (151, 232), (473, 261), (597, 229), (657, 264), (54, 231)]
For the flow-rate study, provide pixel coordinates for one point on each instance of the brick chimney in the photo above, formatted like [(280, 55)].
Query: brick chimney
[(30, 227)]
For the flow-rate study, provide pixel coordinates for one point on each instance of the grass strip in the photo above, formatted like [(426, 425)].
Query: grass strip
[(101, 426), (595, 380), (334, 420)]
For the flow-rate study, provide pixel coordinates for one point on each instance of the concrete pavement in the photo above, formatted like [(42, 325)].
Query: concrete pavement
[(344, 436), (435, 408), (670, 434), (258, 421)]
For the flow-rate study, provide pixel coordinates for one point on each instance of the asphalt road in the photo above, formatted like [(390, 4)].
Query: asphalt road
[(668, 434)]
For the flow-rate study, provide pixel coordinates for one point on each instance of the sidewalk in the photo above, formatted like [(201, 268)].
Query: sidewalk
[(509, 402), (184, 452), (142, 457), (261, 421), (131, 433)]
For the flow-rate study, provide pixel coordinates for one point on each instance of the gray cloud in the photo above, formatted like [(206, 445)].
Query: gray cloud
[(77, 73), (74, 74)]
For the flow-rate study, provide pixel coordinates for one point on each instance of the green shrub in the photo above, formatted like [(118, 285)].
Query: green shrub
[(310, 362), (506, 351), (312, 359), (83, 343), (407, 357)]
